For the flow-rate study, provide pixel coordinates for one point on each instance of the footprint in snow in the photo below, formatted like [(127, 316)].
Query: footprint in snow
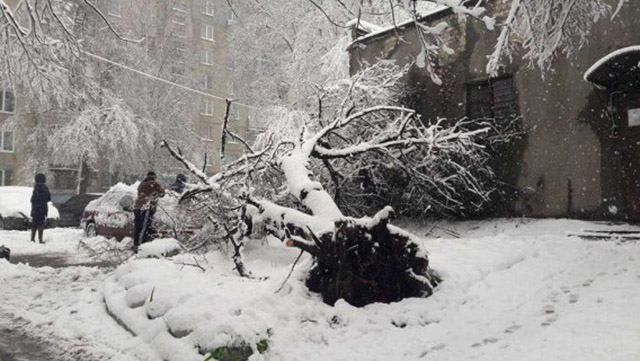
[(549, 320), (620, 271), (512, 328), (573, 298), (485, 341), (437, 347), (587, 283), (551, 314)]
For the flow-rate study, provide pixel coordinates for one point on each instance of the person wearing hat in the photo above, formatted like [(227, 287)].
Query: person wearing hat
[(149, 191), (180, 183), (40, 199)]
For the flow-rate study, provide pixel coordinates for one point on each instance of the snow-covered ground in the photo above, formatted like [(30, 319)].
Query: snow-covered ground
[(57, 313), (513, 290), (58, 242)]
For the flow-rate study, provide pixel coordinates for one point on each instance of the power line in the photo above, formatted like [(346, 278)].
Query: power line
[(151, 76)]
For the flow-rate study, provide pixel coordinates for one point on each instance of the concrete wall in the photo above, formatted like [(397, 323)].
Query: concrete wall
[(568, 164)]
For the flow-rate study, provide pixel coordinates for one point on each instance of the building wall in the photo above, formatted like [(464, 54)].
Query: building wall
[(569, 163), (217, 71), (16, 161), (9, 161)]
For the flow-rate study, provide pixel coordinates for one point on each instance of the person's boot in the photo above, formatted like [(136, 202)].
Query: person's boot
[(41, 235), (33, 235)]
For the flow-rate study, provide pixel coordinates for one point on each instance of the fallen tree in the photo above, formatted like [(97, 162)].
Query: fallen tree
[(278, 190)]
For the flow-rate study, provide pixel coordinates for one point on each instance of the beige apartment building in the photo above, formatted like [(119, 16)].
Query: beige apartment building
[(8, 154), (195, 32), (199, 29)]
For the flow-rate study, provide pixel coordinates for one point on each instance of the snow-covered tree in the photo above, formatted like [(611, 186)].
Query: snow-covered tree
[(280, 186), (99, 135), (40, 46), (87, 79), (544, 29), (295, 48)]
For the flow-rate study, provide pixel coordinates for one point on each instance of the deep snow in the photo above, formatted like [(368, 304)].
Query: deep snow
[(513, 290)]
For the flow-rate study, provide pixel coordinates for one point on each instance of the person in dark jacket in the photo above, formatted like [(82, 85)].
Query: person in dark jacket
[(40, 199), (180, 183), (149, 191)]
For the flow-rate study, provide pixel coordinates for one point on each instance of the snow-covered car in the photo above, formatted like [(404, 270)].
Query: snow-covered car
[(15, 209), (111, 215)]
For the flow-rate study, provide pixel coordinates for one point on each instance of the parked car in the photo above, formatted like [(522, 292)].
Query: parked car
[(72, 209), (111, 215), (15, 209)]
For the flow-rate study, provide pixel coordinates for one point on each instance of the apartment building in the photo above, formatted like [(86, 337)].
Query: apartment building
[(194, 41), (207, 40), (196, 34), (9, 154)]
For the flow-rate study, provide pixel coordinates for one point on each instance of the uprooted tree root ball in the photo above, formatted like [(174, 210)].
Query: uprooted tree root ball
[(365, 265)]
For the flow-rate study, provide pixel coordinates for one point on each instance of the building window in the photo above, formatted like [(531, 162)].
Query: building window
[(115, 8), (634, 117), (492, 99), (179, 19), (7, 101), (6, 177), (206, 32), (234, 114), (206, 107), (177, 68), (7, 142), (207, 7), (206, 81), (206, 57), (231, 18), (180, 6), (181, 53)]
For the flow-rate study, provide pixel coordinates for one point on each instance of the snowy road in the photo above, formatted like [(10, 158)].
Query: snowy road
[(53, 309)]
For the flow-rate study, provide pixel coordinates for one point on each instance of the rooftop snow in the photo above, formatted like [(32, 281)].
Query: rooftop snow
[(364, 25), (591, 74), (382, 30)]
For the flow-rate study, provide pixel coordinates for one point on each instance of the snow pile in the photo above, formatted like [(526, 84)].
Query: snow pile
[(16, 202), (513, 290), (183, 313), (158, 248), (61, 311)]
